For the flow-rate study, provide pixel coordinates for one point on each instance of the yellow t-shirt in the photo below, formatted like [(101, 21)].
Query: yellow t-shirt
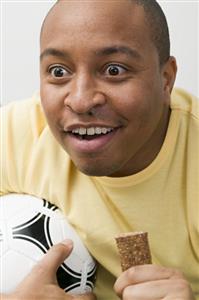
[(163, 199)]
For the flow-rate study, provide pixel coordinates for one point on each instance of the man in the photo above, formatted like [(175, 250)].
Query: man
[(116, 150)]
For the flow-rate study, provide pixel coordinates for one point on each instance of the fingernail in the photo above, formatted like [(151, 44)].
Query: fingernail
[(67, 242)]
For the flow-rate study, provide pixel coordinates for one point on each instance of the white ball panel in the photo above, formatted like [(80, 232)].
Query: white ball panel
[(27, 249), (14, 268), (79, 254), (23, 217), (79, 248), (54, 229), (24, 202), (4, 247)]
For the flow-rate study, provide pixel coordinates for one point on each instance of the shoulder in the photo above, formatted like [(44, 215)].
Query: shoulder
[(24, 117), (30, 155), (185, 103)]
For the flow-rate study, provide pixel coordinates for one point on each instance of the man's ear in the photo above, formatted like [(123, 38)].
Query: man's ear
[(169, 71)]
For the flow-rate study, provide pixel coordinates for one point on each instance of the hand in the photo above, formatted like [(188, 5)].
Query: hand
[(41, 283), (151, 282)]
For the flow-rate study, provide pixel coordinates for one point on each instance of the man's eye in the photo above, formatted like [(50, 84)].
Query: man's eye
[(58, 72), (114, 70)]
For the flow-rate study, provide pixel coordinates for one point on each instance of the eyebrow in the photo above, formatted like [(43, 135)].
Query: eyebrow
[(118, 49), (53, 52), (101, 52)]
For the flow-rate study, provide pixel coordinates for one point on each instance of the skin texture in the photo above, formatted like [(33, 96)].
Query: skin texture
[(135, 101), (41, 283), (151, 282)]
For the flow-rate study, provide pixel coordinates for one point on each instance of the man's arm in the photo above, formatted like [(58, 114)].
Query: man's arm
[(41, 283)]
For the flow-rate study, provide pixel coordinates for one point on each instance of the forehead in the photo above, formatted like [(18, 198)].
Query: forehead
[(95, 22)]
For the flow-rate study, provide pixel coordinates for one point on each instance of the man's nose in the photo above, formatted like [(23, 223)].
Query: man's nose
[(83, 95)]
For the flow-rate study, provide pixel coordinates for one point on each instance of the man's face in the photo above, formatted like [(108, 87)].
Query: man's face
[(102, 89)]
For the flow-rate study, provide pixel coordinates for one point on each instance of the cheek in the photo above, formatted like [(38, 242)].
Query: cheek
[(145, 94), (131, 104), (142, 106), (51, 101)]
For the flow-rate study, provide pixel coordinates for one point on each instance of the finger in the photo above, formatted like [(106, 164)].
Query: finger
[(46, 268), (144, 273), (149, 290), (88, 296), (161, 289)]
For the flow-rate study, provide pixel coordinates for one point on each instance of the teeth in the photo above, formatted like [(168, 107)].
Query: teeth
[(104, 130), (91, 130), (75, 131), (82, 131), (98, 130)]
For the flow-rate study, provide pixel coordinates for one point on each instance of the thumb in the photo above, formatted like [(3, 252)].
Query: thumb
[(48, 265), (88, 296)]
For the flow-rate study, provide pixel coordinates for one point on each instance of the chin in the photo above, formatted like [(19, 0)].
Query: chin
[(91, 171), (95, 169)]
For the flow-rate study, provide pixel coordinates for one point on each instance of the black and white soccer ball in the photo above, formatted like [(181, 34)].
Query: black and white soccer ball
[(29, 226)]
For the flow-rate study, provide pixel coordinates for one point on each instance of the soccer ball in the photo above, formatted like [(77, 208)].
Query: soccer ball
[(29, 226)]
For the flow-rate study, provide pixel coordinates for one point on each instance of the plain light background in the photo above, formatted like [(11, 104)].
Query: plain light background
[(20, 27)]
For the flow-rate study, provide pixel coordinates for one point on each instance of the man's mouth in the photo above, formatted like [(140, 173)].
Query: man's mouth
[(89, 139), (90, 133)]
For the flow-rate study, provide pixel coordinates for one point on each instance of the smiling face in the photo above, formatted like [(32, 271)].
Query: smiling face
[(104, 94)]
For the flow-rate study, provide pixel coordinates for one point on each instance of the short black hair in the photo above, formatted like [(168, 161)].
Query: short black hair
[(158, 26)]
